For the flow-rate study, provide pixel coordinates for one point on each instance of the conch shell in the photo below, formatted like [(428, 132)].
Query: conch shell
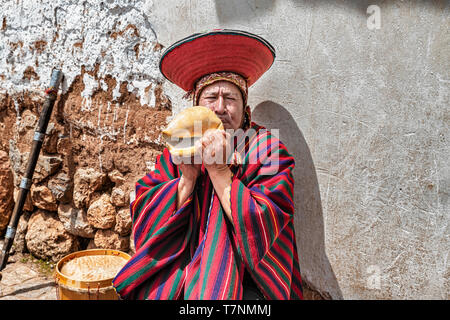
[(187, 127)]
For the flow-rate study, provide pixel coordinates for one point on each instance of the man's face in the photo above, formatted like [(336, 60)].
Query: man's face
[(225, 99)]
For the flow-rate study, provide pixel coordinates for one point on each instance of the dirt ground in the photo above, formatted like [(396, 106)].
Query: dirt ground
[(27, 278)]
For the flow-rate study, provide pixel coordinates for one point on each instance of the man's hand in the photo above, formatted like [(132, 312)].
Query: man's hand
[(215, 149)]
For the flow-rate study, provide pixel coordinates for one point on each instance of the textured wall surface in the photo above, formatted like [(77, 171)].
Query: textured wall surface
[(104, 131), (361, 98), (116, 35)]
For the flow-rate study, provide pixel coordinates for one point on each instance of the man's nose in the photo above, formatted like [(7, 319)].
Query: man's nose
[(220, 105)]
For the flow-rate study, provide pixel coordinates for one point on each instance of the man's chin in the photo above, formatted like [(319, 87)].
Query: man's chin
[(228, 126)]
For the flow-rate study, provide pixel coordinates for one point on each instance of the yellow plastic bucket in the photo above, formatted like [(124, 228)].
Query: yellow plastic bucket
[(73, 289)]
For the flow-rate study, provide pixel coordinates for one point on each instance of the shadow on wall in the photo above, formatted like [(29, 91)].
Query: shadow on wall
[(238, 10), (229, 11), (309, 225)]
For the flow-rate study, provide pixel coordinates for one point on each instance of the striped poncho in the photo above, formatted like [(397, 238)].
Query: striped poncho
[(195, 252)]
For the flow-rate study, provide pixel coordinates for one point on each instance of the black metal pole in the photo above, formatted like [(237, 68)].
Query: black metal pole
[(26, 181)]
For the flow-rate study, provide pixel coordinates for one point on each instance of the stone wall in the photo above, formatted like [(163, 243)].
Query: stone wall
[(359, 92), (104, 131)]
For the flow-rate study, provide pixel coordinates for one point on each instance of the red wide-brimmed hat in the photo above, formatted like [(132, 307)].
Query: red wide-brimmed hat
[(244, 53)]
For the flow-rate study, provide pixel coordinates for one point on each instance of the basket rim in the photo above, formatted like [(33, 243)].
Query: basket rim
[(61, 278)]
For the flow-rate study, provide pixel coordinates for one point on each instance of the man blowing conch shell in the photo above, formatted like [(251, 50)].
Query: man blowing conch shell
[(214, 219)]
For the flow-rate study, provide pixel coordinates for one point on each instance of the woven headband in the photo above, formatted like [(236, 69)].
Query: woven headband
[(211, 78)]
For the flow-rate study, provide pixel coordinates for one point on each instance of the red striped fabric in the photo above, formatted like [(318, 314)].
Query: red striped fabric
[(195, 252)]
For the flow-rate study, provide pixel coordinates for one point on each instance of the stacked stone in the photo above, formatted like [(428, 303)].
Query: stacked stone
[(65, 211)]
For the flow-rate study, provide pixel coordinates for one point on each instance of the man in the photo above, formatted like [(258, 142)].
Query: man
[(217, 230)]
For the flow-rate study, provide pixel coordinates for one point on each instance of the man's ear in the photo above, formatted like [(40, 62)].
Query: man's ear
[(248, 110)]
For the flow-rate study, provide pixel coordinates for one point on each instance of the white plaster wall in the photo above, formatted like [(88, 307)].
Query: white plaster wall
[(78, 33), (364, 112)]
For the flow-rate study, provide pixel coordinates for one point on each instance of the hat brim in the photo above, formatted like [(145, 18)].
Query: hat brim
[(187, 60)]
